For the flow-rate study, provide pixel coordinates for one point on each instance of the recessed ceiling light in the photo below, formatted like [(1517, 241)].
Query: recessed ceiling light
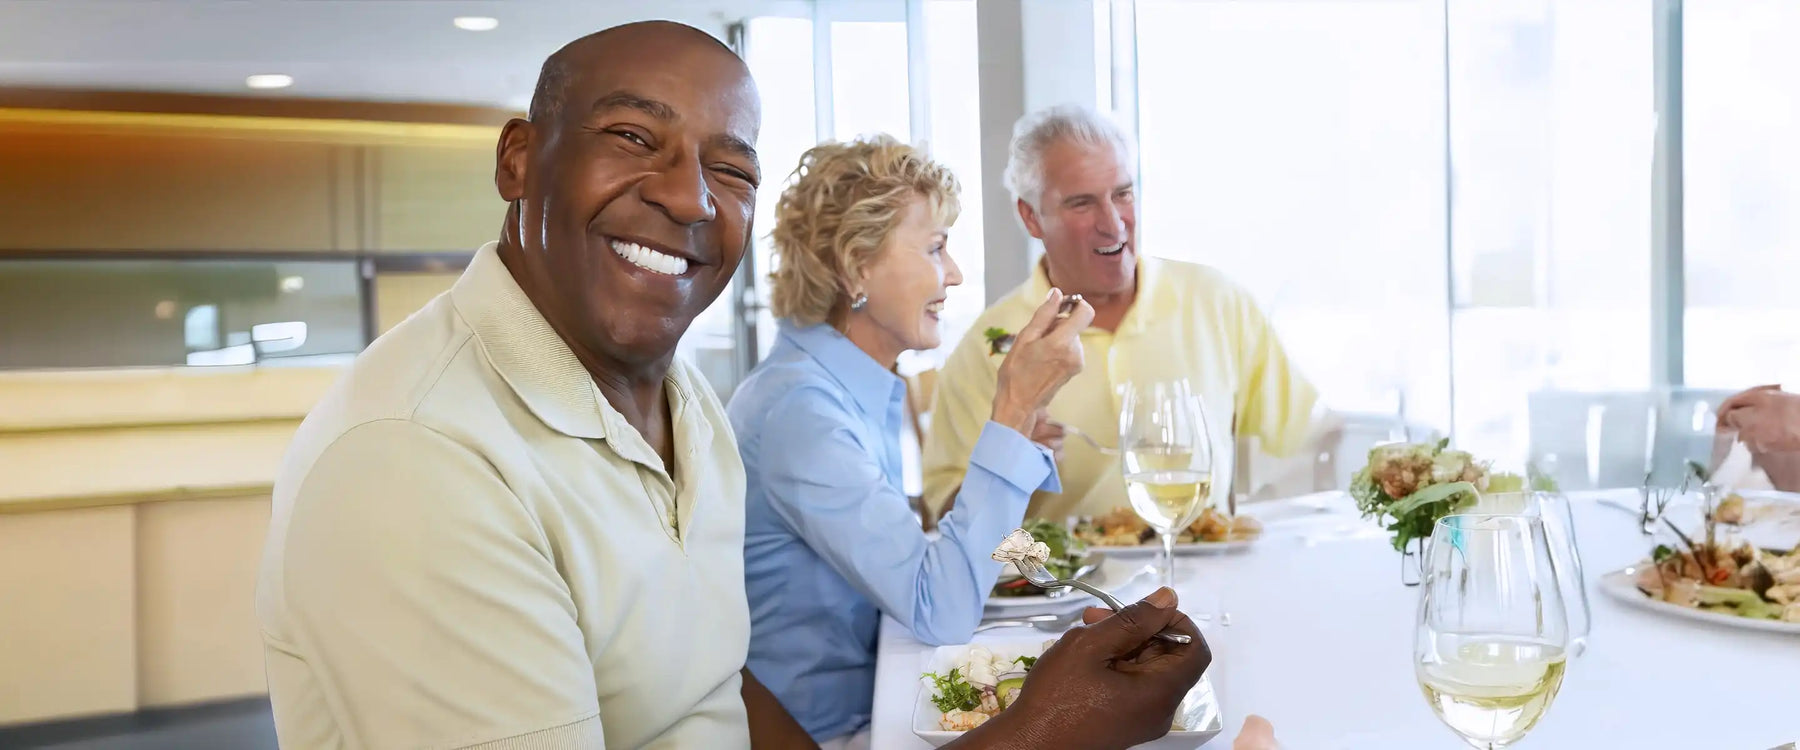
[(269, 81), (476, 23), (291, 284)]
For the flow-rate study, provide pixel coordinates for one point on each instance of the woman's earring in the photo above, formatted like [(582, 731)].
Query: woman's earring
[(860, 302)]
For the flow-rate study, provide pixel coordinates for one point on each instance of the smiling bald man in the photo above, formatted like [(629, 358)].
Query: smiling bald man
[(517, 522)]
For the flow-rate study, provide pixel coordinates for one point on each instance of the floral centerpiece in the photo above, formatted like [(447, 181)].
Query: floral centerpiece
[(1409, 486)]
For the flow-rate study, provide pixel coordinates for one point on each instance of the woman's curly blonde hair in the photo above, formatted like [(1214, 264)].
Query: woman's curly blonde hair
[(841, 204)]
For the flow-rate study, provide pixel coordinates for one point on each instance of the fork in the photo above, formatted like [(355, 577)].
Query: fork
[(1069, 429), (1047, 623), (1035, 572)]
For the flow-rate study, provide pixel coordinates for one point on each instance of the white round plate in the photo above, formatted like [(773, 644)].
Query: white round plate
[(1622, 585), (1066, 601), (1154, 548)]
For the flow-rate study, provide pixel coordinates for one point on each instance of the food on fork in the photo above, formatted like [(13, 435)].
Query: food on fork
[(1000, 340), (1050, 544), (1067, 308), (1019, 545)]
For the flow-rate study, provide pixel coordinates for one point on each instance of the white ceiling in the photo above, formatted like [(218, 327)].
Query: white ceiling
[(378, 50)]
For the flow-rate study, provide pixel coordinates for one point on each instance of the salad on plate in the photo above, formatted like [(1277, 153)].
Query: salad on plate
[(1721, 573), (978, 687), (977, 684)]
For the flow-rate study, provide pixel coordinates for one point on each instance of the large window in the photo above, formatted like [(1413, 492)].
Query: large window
[(779, 52), (1299, 148), (853, 58), (1551, 121), (1742, 126), (955, 140), (868, 85)]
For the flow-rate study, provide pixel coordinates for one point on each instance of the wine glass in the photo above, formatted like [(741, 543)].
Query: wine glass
[(1552, 508), (1168, 459), (1489, 650)]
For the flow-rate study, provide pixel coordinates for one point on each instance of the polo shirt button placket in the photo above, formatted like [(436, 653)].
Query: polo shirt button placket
[(670, 513), (661, 492)]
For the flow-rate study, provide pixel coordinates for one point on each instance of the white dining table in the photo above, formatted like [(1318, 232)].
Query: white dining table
[(1320, 643)]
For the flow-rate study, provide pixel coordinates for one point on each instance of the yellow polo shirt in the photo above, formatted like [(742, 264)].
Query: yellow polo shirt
[(470, 546), (1188, 321)]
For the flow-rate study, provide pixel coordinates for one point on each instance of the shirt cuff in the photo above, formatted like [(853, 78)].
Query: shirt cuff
[(1005, 453)]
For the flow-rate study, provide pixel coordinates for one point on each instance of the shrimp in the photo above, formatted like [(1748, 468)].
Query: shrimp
[(962, 721)]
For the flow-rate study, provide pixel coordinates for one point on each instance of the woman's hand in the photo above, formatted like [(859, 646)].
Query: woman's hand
[(1044, 356)]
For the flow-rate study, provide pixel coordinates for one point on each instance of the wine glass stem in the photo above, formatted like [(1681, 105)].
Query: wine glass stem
[(1168, 559)]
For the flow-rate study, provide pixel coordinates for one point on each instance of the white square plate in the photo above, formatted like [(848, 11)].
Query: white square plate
[(1200, 709)]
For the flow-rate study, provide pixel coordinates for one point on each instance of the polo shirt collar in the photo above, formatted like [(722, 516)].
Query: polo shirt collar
[(528, 354)]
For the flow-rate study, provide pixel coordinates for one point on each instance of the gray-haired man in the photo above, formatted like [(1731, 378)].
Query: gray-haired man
[(1070, 171)]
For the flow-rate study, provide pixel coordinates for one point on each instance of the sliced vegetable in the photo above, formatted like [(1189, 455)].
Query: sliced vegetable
[(1008, 690), (1729, 597), (1744, 603)]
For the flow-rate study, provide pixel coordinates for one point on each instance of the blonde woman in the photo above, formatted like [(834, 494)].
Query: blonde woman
[(830, 540)]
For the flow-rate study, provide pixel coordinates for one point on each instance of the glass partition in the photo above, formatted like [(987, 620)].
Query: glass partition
[(121, 312)]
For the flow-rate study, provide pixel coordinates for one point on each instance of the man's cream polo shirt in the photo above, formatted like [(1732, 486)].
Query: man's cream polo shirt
[(1188, 321), (470, 545)]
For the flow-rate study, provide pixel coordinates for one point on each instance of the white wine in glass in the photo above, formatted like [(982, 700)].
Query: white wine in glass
[(1491, 644), (1163, 490), (1168, 459)]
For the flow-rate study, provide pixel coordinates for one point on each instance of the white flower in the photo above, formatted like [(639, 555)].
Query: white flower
[(1449, 466)]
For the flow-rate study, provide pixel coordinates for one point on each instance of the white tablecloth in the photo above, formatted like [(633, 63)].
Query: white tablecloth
[(1321, 644)]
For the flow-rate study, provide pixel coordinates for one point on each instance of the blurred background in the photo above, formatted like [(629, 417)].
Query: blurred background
[(1557, 230)]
